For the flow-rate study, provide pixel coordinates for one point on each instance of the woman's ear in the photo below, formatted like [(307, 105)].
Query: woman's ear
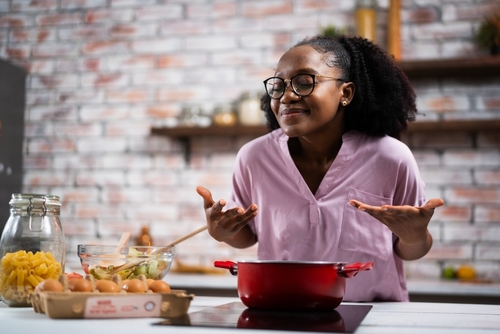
[(348, 90)]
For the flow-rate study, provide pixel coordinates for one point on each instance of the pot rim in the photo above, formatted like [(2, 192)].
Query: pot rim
[(286, 262)]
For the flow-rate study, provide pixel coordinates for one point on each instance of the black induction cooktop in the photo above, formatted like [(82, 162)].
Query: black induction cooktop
[(344, 319)]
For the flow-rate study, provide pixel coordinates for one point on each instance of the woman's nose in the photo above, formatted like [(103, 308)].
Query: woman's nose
[(289, 94)]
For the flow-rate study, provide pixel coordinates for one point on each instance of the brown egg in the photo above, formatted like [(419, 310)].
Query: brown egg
[(135, 285), (107, 286), (159, 286), (80, 285), (50, 284), (149, 281)]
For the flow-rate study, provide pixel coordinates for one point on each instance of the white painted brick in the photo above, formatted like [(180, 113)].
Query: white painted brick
[(426, 157), (106, 178), (4, 6), (76, 195), (411, 50), (158, 77), (98, 145), (76, 162), (146, 211), (152, 179), (131, 3), (442, 103), (39, 178), (487, 213), (156, 46), (450, 251), (422, 269), (152, 144), (78, 4), (34, 35), (55, 81), (446, 176), (466, 232), (210, 42), (244, 26), (128, 128), (164, 12), (109, 15), (97, 210), (433, 192), (71, 97), (471, 158), (117, 161), (488, 251), (132, 196), (93, 113), (44, 145)]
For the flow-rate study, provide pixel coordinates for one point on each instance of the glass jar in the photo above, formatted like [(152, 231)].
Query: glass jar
[(144, 239), (193, 115), (224, 115), (32, 247), (366, 19), (249, 110)]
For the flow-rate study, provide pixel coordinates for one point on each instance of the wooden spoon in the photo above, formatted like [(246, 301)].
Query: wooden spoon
[(159, 250), (116, 263)]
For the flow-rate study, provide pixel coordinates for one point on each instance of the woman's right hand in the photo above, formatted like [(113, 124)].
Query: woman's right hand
[(229, 226)]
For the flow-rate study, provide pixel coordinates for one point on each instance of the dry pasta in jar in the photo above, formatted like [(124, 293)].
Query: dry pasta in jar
[(22, 271)]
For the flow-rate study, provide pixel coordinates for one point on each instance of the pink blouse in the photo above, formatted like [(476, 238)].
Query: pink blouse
[(295, 224)]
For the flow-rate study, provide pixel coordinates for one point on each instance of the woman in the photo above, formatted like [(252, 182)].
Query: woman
[(332, 182)]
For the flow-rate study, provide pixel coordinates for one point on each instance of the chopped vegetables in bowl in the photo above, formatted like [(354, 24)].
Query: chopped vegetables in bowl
[(103, 261)]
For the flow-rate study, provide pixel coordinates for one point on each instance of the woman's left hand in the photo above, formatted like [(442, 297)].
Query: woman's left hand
[(409, 223)]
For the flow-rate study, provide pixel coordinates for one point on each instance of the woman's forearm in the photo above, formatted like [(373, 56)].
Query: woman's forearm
[(413, 251)]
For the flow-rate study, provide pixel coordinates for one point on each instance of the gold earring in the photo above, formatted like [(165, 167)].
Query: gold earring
[(344, 103)]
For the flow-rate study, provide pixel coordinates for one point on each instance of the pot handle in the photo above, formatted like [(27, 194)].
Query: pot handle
[(350, 270), (232, 266)]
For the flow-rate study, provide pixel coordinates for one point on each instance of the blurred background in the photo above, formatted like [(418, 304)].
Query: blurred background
[(123, 107)]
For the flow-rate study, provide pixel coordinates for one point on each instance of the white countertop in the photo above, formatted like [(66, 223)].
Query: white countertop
[(382, 318)]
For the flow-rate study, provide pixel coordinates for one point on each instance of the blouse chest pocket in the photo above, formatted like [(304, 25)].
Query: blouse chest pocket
[(361, 232)]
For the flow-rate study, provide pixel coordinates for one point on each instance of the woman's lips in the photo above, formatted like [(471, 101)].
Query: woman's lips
[(286, 113)]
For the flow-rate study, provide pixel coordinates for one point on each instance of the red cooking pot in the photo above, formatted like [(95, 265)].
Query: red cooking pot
[(292, 285)]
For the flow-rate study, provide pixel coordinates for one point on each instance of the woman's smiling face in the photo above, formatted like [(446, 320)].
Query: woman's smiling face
[(317, 112)]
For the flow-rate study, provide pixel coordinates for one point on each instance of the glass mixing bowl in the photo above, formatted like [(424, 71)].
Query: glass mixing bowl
[(104, 261)]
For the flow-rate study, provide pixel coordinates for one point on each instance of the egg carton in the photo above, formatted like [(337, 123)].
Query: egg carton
[(99, 305)]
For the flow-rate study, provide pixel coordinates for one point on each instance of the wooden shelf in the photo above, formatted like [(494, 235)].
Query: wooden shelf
[(255, 131), (456, 67), (473, 125), (211, 131)]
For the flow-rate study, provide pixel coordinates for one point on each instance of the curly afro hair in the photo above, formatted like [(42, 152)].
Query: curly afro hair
[(384, 101)]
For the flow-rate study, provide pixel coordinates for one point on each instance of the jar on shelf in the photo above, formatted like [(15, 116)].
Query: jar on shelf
[(32, 247), (249, 110), (193, 115), (224, 115), (144, 238), (366, 19)]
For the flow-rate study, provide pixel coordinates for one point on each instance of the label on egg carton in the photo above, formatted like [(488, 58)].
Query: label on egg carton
[(138, 306)]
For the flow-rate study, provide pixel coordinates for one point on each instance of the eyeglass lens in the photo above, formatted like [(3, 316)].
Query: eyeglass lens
[(302, 85)]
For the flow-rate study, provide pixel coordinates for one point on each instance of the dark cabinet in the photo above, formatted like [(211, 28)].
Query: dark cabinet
[(12, 103)]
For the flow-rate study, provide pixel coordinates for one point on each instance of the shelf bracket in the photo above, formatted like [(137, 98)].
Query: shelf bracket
[(185, 143)]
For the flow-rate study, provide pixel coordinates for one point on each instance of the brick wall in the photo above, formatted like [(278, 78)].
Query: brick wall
[(102, 72)]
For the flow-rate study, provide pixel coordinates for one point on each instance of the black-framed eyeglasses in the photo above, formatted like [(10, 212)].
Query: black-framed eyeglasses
[(302, 85)]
